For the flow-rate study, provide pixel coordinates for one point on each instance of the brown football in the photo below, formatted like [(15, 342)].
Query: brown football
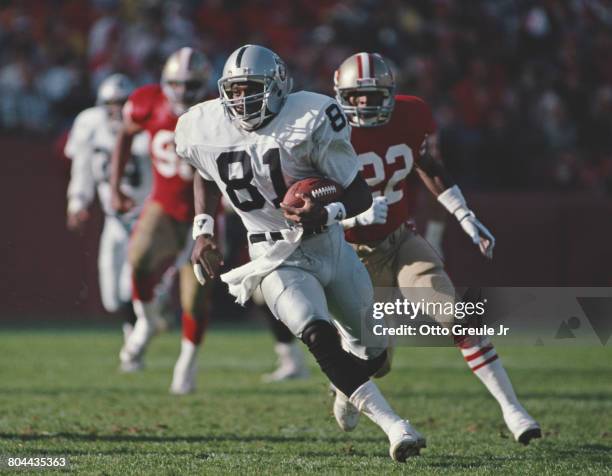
[(320, 189)]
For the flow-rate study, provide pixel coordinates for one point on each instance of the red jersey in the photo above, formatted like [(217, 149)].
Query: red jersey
[(387, 155), (172, 176)]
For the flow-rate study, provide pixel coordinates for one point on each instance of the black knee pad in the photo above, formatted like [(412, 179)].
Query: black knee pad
[(343, 371), (372, 366), (320, 334)]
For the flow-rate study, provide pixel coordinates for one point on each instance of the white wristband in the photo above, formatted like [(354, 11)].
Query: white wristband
[(203, 224), (335, 213), (453, 200)]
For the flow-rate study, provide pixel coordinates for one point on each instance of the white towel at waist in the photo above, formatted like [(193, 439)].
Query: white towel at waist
[(243, 280)]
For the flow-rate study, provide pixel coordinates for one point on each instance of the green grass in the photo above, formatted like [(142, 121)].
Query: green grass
[(61, 394)]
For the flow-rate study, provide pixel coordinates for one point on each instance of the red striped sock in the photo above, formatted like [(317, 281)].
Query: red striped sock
[(483, 361), (477, 353)]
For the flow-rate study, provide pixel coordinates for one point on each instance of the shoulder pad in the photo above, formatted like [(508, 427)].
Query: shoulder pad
[(190, 126), (140, 104), (302, 114)]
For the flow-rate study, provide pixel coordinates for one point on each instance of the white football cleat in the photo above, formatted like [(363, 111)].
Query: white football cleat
[(136, 341), (405, 441), (291, 363), (347, 414), (185, 370), (522, 426)]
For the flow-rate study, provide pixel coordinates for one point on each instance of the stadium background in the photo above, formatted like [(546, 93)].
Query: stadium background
[(522, 92)]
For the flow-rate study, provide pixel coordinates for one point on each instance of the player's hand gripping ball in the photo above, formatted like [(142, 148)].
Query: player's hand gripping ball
[(206, 259), (305, 200)]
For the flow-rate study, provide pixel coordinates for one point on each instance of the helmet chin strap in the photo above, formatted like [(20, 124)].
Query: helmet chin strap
[(256, 121), (246, 124)]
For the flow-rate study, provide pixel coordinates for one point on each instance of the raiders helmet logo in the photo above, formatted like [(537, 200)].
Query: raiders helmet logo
[(281, 68)]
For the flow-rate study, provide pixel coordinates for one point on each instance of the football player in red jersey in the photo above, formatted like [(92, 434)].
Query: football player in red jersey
[(394, 135), (162, 230)]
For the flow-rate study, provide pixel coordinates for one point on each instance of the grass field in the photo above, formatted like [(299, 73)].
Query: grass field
[(61, 394)]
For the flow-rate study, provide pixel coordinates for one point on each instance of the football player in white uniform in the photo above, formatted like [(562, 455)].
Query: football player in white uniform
[(246, 145), (89, 145)]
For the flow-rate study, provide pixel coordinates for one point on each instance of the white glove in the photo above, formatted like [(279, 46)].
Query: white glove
[(376, 214), (452, 199), (479, 233)]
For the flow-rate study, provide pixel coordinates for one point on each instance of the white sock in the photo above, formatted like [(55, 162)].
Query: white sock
[(127, 329), (146, 313), (372, 403), (188, 354), (185, 368), (482, 359)]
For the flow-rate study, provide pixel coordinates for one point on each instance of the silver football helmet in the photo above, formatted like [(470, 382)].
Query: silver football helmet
[(365, 73), (114, 89), (113, 92), (268, 82), (185, 78)]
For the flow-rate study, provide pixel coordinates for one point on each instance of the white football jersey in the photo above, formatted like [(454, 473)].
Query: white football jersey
[(309, 137), (90, 146)]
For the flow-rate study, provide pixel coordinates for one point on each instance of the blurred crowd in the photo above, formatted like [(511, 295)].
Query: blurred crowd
[(521, 89)]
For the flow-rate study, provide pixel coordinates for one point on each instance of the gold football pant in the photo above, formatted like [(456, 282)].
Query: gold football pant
[(156, 244), (405, 260)]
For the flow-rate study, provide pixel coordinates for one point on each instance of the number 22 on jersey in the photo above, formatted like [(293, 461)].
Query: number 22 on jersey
[(376, 171), (165, 158)]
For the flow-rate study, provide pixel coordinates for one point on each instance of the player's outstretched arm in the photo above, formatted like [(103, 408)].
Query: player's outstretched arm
[(436, 178), (121, 154), (205, 256)]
